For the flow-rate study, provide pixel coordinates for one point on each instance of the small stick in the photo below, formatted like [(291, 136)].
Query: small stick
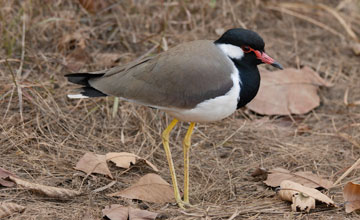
[(308, 19), (357, 163), (341, 20)]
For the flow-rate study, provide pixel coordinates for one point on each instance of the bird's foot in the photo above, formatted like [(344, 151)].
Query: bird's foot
[(183, 205)]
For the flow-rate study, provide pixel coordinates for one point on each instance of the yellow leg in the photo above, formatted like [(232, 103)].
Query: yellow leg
[(186, 148), (165, 140)]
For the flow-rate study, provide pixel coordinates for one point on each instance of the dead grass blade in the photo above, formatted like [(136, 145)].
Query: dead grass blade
[(356, 164), (347, 27), (306, 18), (326, 8), (9, 208), (50, 191)]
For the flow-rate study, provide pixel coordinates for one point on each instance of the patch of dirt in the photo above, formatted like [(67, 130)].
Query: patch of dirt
[(43, 133)]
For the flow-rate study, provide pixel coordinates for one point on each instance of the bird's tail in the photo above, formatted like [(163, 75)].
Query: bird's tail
[(87, 91)]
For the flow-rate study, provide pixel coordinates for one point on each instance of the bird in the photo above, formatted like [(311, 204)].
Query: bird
[(197, 82)]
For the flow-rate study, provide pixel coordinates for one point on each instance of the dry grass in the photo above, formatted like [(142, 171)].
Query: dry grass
[(43, 134)]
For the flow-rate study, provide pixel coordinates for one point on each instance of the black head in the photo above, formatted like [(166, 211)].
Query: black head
[(241, 37), (245, 45)]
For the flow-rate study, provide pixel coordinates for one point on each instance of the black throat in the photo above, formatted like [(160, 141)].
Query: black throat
[(249, 81)]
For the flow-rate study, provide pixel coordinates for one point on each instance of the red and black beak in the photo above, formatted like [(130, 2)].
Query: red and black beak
[(267, 59)]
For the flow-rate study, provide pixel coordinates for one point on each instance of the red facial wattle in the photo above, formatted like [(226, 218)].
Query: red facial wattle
[(263, 57)]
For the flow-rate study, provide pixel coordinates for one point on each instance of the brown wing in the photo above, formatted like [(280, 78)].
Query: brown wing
[(182, 77)]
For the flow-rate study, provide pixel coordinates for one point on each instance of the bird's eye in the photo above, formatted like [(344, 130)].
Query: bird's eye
[(246, 49)]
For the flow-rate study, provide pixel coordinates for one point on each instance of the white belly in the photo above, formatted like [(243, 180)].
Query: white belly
[(212, 109)]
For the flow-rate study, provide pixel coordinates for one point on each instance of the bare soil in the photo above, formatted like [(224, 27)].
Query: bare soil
[(43, 133)]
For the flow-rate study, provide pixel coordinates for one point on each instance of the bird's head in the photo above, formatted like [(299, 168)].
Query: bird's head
[(245, 45)]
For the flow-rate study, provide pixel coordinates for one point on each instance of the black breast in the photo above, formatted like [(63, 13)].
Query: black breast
[(249, 82)]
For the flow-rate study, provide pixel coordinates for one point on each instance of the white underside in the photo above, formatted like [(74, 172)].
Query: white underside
[(211, 109)]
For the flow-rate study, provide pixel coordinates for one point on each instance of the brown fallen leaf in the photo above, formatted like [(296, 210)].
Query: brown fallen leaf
[(50, 191), (93, 6), (260, 171), (302, 197), (299, 200), (73, 46), (8, 208), (106, 60), (351, 195), (277, 175), (4, 174), (125, 160), (150, 188), (288, 91), (74, 40), (119, 212), (93, 163), (77, 59)]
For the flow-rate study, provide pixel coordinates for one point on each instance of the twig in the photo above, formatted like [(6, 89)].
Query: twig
[(9, 103), (22, 48), (231, 135), (19, 71), (308, 19), (233, 216), (105, 187), (348, 29), (346, 95), (357, 163)]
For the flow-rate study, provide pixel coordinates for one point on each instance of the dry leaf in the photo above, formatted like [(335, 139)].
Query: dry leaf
[(302, 197), (8, 208), (77, 59), (138, 214), (74, 40), (73, 46), (93, 163), (50, 191), (299, 200), (288, 91), (260, 171), (125, 160), (351, 195), (277, 175), (4, 174), (93, 6), (106, 60), (150, 188), (118, 212)]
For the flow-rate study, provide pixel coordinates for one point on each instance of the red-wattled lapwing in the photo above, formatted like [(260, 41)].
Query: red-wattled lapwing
[(198, 81)]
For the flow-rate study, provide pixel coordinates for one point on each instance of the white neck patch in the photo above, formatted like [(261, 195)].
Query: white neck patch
[(231, 51)]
